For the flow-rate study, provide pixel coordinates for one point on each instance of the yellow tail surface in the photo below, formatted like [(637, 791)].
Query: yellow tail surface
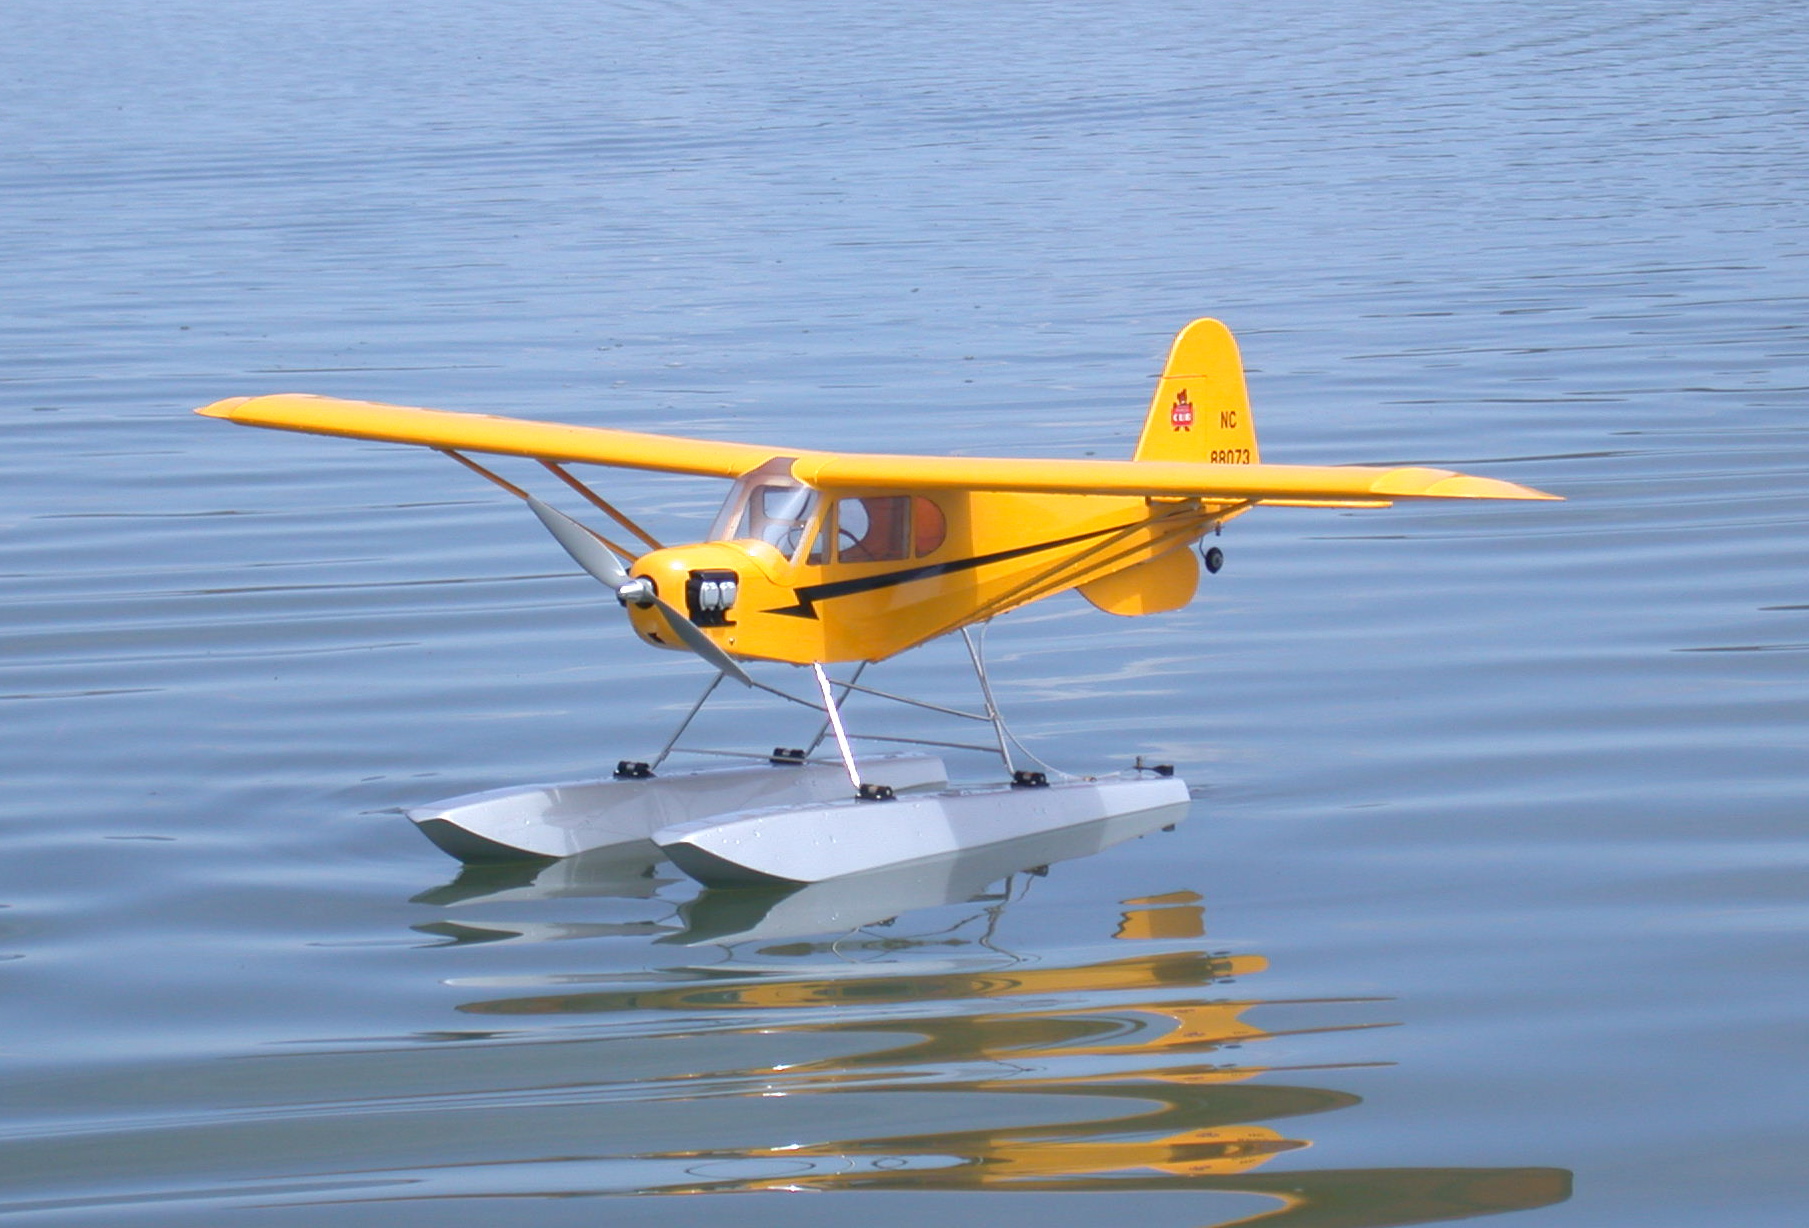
[(1201, 411)]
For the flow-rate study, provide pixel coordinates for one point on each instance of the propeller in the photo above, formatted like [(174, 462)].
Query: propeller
[(600, 561)]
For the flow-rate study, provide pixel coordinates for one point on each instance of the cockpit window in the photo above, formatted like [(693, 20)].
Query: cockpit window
[(882, 528), (929, 527), (769, 505), (777, 515), (772, 506), (873, 530)]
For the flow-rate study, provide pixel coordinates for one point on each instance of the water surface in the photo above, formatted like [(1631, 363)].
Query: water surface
[(1491, 901)]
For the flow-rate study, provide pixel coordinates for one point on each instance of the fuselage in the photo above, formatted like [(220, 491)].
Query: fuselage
[(792, 575)]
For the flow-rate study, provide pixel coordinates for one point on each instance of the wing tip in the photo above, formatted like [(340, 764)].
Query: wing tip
[(222, 409), (1445, 484), (1464, 486)]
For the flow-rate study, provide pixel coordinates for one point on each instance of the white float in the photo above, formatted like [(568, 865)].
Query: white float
[(811, 843), (838, 905), (576, 816)]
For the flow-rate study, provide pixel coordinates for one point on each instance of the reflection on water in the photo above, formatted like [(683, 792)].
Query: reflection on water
[(923, 1050), (1114, 1074), (629, 872)]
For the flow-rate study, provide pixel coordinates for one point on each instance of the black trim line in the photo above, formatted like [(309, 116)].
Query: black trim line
[(810, 594)]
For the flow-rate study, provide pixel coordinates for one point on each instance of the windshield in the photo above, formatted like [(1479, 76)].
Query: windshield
[(768, 504)]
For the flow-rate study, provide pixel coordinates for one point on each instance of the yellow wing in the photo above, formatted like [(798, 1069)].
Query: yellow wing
[(1288, 484), (439, 428), (1308, 485)]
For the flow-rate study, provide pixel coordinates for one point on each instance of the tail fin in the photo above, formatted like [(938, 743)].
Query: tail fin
[(1201, 411)]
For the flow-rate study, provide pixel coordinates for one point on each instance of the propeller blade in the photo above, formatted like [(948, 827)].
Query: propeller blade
[(600, 561), (579, 542), (701, 644)]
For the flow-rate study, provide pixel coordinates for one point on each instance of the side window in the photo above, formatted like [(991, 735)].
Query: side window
[(929, 527), (873, 530), (881, 529)]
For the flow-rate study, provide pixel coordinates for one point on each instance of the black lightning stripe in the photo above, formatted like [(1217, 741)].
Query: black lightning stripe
[(810, 594)]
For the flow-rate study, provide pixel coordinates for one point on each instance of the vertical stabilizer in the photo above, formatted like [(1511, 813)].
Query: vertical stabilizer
[(1201, 411)]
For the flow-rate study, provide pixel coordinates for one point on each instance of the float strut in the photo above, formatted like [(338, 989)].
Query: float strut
[(992, 708), (689, 717), (841, 733)]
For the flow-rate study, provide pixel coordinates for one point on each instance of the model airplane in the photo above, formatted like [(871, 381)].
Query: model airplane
[(819, 558)]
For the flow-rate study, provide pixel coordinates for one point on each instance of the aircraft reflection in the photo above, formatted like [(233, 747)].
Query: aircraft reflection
[(627, 872), (1119, 1052), (1121, 1074)]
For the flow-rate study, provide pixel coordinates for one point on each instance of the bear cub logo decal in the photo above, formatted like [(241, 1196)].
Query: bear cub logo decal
[(1181, 415)]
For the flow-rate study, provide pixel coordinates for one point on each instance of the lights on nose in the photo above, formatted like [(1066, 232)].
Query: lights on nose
[(715, 594), (710, 595)]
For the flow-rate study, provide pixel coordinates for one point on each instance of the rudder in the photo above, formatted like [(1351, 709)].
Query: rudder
[(1201, 411)]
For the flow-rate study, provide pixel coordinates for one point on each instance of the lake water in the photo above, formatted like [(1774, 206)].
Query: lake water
[(1493, 897)]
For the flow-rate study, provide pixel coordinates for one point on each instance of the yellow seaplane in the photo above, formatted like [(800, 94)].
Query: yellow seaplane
[(832, 558)]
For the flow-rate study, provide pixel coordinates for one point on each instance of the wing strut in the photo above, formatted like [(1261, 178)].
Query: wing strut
[(601, 504), (528, 499)]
